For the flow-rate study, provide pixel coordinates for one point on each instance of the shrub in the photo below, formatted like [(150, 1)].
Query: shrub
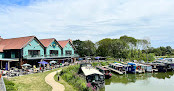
[(70, 75)]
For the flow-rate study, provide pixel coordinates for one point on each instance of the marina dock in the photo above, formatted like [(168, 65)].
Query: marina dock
[(155, 70), (139, 71), (113, 70)]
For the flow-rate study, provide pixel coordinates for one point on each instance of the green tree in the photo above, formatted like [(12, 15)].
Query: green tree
[(119, 48), (163, 49), (89, 48), (169, 50), (104, 47), (84, 48), (132, 42), (79, 47)]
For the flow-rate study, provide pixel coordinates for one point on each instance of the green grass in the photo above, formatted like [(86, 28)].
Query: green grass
[(32, 82), (61, 81), (10, 86)]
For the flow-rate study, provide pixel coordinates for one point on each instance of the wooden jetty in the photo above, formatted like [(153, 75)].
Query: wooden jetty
[(113, 70), (139, 71), (154, 70)]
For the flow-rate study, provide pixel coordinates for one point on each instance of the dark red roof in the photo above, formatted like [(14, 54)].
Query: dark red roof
[(1, 48), (16, 43), (63, 43), (46, 42)]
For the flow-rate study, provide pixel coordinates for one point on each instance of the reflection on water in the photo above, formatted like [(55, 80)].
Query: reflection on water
[(143, 82)]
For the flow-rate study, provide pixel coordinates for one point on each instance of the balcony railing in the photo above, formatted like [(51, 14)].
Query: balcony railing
[(2, 84), (49, 56)]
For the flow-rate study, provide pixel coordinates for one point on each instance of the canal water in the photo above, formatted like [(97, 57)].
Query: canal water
[(140, 82)]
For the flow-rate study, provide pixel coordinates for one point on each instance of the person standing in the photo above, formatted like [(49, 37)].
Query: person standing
[(58, 77)]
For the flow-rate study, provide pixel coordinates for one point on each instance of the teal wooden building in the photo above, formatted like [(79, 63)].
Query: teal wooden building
[(67, 47), (52, 47), (17, 51)]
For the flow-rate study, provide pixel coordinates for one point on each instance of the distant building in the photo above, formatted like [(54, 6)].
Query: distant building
[(17, 51)]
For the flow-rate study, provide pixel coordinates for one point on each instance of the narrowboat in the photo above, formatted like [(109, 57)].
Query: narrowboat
[(145, 68), (161, 67), (84, 65), (105, 71), (139, 68), (170, 60), (169, 63), (120, 68), (131, 67), (148, 68), (94, 78), (170, 66)]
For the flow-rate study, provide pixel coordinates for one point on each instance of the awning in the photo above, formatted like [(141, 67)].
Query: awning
[(9, 59)]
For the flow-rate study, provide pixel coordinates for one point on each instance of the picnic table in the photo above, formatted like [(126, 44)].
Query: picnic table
[(13, 73)]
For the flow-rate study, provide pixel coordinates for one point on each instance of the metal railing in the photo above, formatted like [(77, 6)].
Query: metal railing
[(50, 56), (2, 84)]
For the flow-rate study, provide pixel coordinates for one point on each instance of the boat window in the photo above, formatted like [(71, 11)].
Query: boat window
[(101, 77), (89, 65), (107, 71), (170, 60), (96, 77)]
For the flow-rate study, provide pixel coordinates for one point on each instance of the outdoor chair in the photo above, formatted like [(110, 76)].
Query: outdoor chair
[(35, 70), (4, 73), (30, 71)]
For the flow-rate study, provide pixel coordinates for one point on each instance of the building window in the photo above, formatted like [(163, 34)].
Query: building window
[(33, 53), (68, 52), (54, 52)]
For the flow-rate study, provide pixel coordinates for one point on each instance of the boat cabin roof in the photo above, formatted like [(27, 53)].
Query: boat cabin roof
[(89, 71), (85, 64), (144, 65), (102, 68), (117, 65), (131, 64)]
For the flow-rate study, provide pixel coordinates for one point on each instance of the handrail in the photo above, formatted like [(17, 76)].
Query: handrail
[(2, 84), (50, 56)]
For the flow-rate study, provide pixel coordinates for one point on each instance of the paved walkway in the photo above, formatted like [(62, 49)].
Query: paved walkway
[(49, 79)]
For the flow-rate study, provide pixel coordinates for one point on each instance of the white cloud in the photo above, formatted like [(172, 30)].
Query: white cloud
[(90, 19)]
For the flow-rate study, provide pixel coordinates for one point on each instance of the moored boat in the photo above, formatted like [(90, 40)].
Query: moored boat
[(169, 63), (161, 67), (94, 78), (118, 68), (105, 71), (131, 67), (148, 68)]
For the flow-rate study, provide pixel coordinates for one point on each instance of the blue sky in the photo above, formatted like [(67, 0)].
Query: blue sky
[(89, 19)]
